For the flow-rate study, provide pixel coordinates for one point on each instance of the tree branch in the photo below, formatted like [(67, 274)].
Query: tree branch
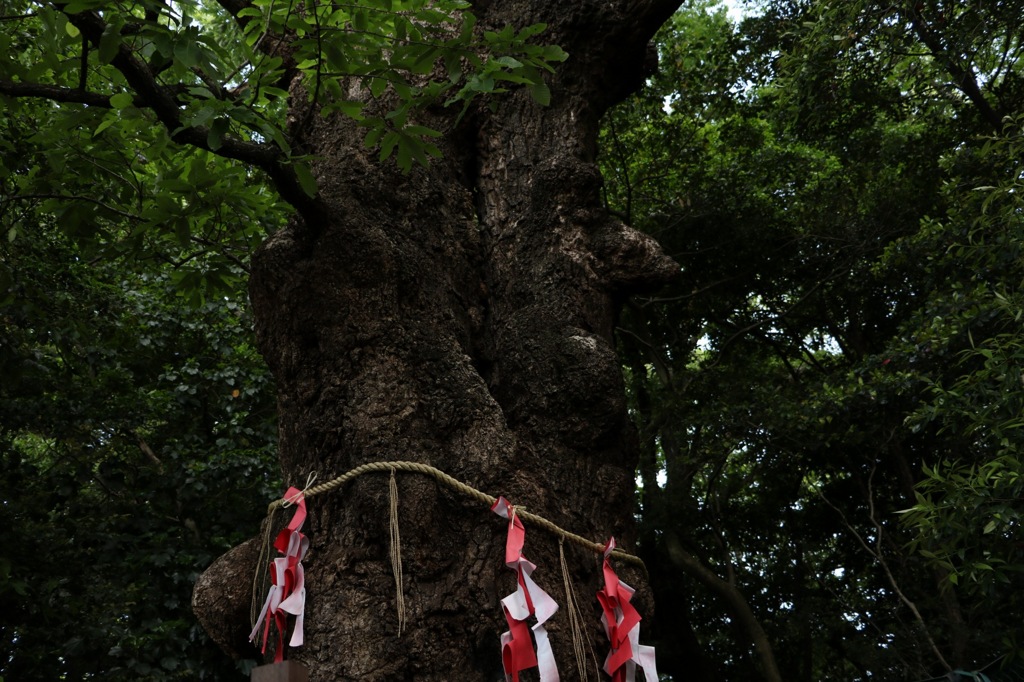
[(146, 450), (163, 102), (233, 7), (75, 197), (55, 93), (879, 556), (734, 598), (963, 77)]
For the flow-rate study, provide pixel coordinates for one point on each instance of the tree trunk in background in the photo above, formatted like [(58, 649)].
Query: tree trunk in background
[(460, 316)]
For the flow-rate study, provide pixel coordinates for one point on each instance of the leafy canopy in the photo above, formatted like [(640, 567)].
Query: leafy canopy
[(829, 396), (217, 74)]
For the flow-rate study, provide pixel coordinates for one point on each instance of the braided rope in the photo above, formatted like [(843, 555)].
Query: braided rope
[(454, 483)]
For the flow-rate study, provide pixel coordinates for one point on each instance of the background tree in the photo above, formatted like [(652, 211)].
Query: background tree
[(796, 385), (138, 420)]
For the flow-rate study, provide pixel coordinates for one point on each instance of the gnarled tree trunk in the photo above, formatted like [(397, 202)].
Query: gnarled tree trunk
[(461, 316)]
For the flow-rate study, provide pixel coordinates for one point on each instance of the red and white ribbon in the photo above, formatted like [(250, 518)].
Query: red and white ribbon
[(287, 594), (622, 625), (517, 651)]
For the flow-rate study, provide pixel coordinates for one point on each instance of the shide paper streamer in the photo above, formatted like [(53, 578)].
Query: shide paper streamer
[(517, 653), (622, 625), (287, 594)]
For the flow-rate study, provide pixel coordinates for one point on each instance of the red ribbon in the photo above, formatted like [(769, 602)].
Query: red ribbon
[(622, 625), (517, 647), (287, 594)]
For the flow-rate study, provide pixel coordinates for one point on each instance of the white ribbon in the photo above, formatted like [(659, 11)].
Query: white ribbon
[(517, 605)]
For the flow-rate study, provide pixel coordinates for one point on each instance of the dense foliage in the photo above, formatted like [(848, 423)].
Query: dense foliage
[(137, 436), (830, 397), (137, 443)]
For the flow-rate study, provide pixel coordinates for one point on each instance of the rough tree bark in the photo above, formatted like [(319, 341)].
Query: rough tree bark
[(460, 316)]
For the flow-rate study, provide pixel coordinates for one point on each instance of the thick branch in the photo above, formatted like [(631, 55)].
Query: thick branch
[(55, 93), (653, 14), (734, 599), (162, 101), (233, 7), (79, 95), (963, 77)]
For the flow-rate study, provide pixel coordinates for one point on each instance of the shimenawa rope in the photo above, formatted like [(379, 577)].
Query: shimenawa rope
[(442, 477), (580, 638)]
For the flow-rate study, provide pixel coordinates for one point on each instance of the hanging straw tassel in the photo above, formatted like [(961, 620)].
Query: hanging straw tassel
[(261, 579), (396, 553), (579, 646)]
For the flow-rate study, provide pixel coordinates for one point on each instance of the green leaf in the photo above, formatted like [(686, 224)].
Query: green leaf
[(122, 100), (553, 53), (274, 92), (202, 117), (274, 133), (509, 62), (306, 179), (219, 128), (403, 89), (405, 155), (388, 144), (187, 52), (453, 66), (481, 84), (541, 93), (360, 21), (422, 130), (351, 108), (202, 92), (299, 25), (377, 86), (373, 136), (531, 31), (336, 58), (110, 40), (104, 124), (468, 23)]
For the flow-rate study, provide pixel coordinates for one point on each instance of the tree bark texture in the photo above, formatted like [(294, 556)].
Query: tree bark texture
[(460, 316)]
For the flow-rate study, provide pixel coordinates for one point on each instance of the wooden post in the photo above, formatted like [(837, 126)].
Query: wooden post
[(285, 671)]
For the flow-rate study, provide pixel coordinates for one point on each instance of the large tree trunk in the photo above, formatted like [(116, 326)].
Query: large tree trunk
[(460, 316)]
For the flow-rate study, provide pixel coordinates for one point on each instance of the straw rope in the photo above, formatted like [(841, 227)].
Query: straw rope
[(396, 552), (581, 644), (455, 484)]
